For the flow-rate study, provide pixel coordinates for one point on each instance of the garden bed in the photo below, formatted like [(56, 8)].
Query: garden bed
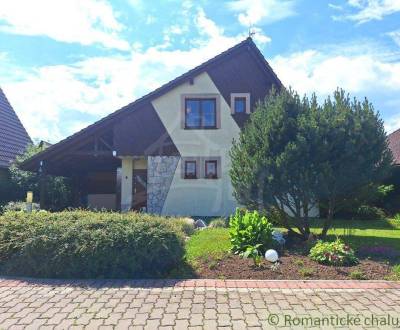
[(207, 255), (291, 267)]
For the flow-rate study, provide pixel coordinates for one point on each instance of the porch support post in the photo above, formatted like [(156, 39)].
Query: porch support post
[(42, 185), (77, 183), (126, 184)]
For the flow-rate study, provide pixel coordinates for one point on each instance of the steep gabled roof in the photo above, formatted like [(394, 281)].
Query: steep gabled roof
[(247, 45), (13, 136), (394, 145)]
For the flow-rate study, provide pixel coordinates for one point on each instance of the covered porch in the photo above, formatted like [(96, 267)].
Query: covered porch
[(100, 178), (108, 161)]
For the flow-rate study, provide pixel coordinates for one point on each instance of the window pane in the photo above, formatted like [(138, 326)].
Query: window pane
[(190, 169), (208, 111), (240, 105), (211, 169), (193, 118)]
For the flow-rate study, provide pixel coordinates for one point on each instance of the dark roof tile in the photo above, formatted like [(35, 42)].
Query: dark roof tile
[(13, 136)]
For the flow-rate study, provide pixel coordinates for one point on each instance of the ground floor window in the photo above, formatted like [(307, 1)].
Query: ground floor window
[(190, 169), (210, 169), (201, 167)]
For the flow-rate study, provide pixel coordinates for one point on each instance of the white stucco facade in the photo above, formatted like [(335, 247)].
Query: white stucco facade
[(202, 197)]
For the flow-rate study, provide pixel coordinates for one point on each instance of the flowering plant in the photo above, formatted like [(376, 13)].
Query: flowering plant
[(335, 253)]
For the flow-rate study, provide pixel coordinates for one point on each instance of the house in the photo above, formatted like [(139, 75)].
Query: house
[(392, 201), (394, 146), (167, 152), (13, 137)]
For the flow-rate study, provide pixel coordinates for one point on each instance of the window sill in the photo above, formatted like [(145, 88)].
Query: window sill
[(200, 128)]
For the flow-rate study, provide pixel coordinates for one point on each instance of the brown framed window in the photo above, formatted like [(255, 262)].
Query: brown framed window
[(210, 169), (240, 105), (200, 113), (190, 169)]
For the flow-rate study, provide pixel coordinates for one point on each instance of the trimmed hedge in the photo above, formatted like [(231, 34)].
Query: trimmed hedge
[(83, 244)]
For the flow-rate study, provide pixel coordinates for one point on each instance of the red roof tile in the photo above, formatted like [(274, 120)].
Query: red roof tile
[(394, 145)]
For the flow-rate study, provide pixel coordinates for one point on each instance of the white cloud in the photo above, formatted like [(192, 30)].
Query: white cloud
[(362, 74), (395, 35), (313, 70), (73, 21), (368, 10), (252, 12), (392, 123), (98, 86)]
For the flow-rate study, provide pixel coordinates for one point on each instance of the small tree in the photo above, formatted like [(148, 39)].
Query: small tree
[(354, 153), (293, 153), (273, 161), (58, 189)]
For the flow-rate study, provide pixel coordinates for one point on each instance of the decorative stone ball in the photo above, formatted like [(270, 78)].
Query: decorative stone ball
[(271, 255)]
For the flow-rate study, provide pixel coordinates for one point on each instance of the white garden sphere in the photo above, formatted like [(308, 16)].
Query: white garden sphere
[(271, 255)]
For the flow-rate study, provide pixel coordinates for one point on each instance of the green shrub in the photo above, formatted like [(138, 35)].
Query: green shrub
[(253, 253), (249, 229), (397, 217), (19, 206), (87, 244), (218, 223), (333, 253), (357, 275), (367, 212)]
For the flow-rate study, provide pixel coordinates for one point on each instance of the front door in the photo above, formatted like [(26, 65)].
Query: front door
[(139, 190)]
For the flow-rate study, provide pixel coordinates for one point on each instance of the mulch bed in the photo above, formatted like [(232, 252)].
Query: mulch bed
[(291, 267)]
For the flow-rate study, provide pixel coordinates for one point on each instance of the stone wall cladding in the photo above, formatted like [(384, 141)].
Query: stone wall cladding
[(160, 172)]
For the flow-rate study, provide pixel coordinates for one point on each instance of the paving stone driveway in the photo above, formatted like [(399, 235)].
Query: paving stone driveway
[(192, 304)]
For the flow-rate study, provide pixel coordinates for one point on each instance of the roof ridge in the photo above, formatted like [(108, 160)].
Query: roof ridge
[(162, 89), (395, 131)]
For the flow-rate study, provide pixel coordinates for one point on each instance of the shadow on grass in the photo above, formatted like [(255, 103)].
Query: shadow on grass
[(358, 224), (358, 241)]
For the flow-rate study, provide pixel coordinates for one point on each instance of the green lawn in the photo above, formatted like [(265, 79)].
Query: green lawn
[(214, 243), (211, 242), (364, 232)]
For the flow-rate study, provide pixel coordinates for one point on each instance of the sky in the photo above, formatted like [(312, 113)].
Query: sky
[(66, 63)]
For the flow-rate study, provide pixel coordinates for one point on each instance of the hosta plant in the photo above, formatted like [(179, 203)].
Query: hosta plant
[(335, 253), (249, 229)]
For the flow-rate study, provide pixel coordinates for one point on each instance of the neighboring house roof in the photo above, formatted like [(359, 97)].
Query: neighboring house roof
[(240, 68), (13, 136), (394, 145), (44, 144)]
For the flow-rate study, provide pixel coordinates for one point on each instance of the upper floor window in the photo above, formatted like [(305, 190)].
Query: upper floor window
[(200, 113), (240, 103)]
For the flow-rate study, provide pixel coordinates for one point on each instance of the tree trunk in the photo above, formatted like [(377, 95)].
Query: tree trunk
[(329, 218), (285, 222), (306, 222)]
